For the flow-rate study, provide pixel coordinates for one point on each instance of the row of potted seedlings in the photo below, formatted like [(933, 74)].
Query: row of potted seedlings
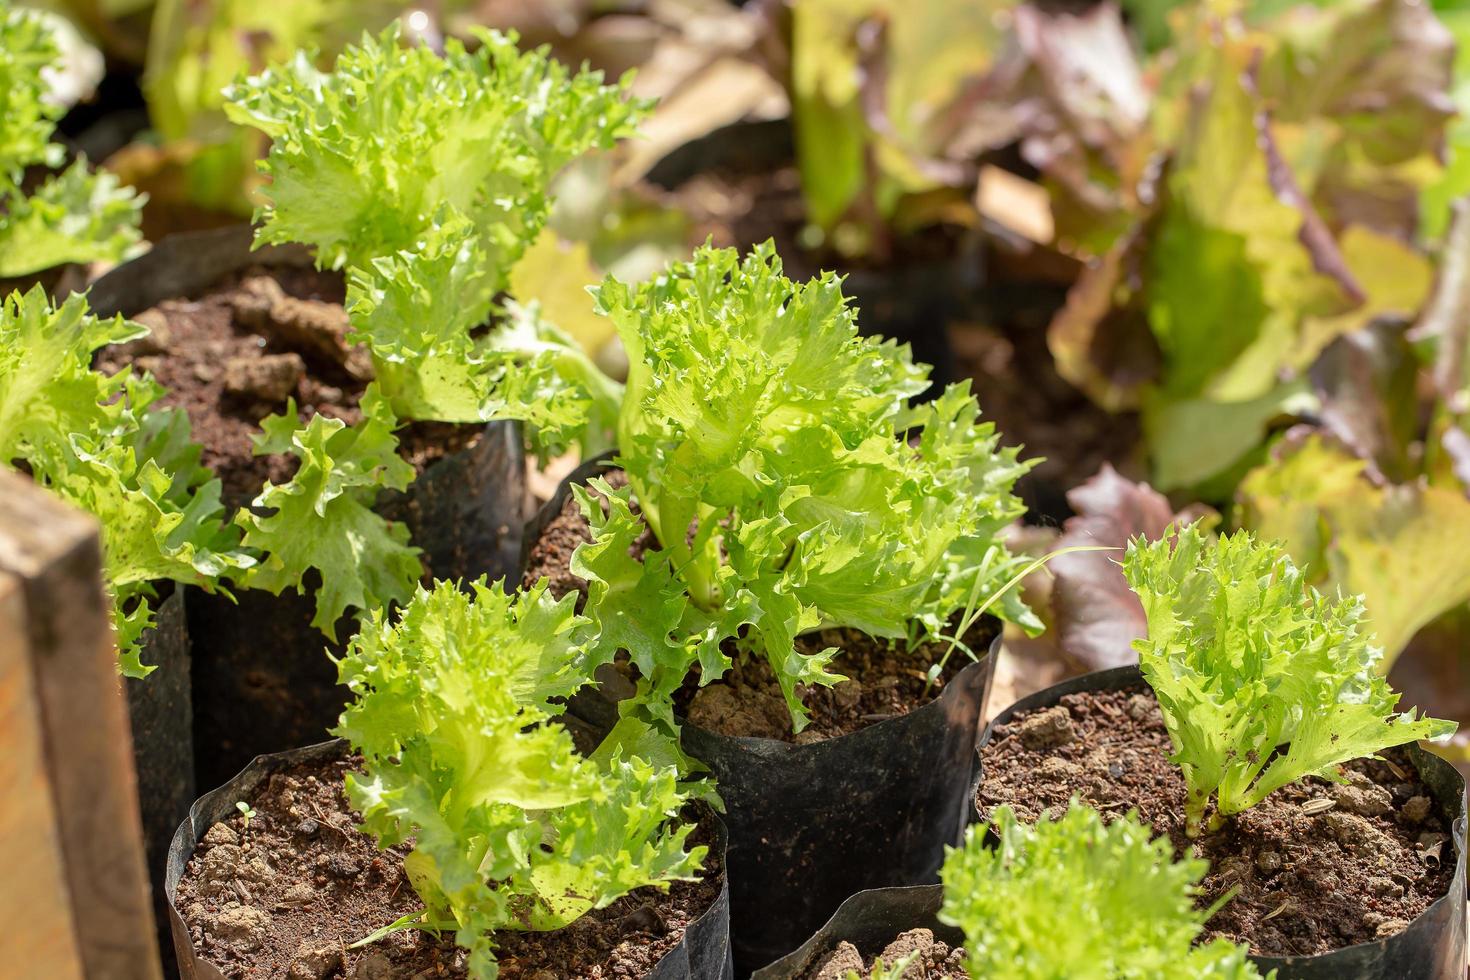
[(826, 529), (1056, 880), (279, 440), (1254, 681), (1254, 746), (772, 601)]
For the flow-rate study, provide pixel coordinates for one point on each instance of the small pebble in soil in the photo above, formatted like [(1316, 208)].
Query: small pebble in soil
[(1363, 796), (373, 966), (1415, 810), (220, 834), (1046, 729), (266, 377), (315, 962), (241, 923), (1356, 835)]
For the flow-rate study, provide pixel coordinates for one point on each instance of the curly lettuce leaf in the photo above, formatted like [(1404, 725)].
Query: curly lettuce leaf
[(364, 158), (415, 310), (1247, 658), (512, 829), (150, 533), (643, 608), (762, 438), (48, 389), (322, 519), (548, 382), (1081, 897), (74, 216), (428, 177), (96, 440), (624, 837)]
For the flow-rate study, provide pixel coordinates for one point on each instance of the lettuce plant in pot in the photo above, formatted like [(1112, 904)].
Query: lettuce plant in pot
[(1073, 896), (102, 442), (73, 215), (345, 406), (783, 522), (456, 827), (1258, 734)]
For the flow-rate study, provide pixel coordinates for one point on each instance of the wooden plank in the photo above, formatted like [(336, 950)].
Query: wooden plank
[(36, 902), (52, 551)]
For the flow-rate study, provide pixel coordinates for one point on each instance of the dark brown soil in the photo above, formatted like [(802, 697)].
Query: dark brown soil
[(235, 355), (933, 959), (886, 679), (287, 895), (1357, 866)]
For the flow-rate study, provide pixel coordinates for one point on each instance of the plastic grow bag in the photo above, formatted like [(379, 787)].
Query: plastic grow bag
[(895, 792), (703, 953), (869, 920), (1431, 948), (160, 716)]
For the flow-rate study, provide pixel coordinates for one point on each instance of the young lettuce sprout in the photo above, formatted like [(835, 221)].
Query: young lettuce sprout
[(765, 444), (885, 971), (97, 441), (1262, 680), (512, 829), (73, 216), (426, 177), (1081, 898)]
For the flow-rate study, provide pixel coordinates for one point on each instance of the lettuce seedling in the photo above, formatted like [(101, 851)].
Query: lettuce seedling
[(511, 828), (426, 177), (882, 970), (1262, 679), (72, 216), (99, 442), (1081, 898), (764, 444)]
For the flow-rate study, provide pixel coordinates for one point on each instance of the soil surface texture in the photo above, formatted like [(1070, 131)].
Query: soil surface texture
[(1319, 865), (932, 959), (885, 678), (236, 354), (287, 895)]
